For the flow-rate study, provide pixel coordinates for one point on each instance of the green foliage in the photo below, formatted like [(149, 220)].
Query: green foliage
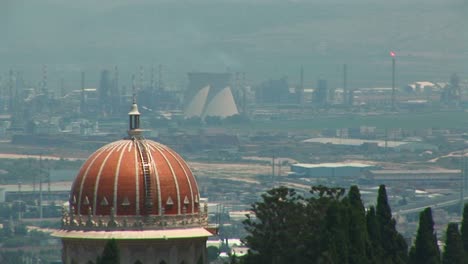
[(358, 237), (374, 247), (464, 229), (200, 260), (327, 227), (212, 253), (289, 228), (425, 249), (453, 250), (110, 254), (394, 248), (274, 227)]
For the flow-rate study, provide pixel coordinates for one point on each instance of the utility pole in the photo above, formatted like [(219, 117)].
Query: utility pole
[(40, 187), (462, 182), (83, 95), (273, 167), (393, 80)]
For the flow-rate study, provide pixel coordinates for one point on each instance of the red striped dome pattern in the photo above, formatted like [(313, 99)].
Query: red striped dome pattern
[(133, 177)]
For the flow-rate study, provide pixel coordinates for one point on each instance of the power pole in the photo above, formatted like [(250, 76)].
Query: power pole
[(393, 80), (40, 187), (83, 95)]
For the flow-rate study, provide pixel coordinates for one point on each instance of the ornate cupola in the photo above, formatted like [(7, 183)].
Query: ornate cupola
[(139, 192), (134, 120)]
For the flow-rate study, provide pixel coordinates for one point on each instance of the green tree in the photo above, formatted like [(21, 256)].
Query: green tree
[(374, 248), (464, 229), (425, 249), (212, 253), (110, 254), (394, 247), (336, 239), (358, 238), (271, 235), (453, 250), (290, 229)]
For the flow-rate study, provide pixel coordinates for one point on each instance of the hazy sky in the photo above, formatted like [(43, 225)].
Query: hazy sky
[(266, 39)]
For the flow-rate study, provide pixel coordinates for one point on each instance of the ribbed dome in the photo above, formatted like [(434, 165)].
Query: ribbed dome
[(134, 177)]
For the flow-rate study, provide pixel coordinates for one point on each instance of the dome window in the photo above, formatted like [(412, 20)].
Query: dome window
[(169, 202), (86, 200), (186, 200), (104, 202), (125, 202)]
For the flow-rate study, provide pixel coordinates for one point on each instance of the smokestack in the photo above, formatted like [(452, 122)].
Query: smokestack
[(141, 78), (117, 98), (152, 78), (10, 92), (160, 77), (62, 87), (392, 54), (301, 99), (44, 80), (83, 95), (346, 94), (244, 94)]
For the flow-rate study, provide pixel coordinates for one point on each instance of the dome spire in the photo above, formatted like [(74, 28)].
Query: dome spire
[(134, 114)]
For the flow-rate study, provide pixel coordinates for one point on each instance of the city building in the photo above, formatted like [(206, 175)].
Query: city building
[(140, 193)]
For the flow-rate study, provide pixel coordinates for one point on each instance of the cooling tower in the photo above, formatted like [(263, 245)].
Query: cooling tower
[(222, 105), (196, 106)]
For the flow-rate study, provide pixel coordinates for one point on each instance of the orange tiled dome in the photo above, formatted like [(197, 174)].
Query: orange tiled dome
[(134, 177)]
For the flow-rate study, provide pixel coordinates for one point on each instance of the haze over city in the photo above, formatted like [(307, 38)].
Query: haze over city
[(233, 131), (265, 38)]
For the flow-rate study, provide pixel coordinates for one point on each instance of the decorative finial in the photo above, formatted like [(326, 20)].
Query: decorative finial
[(134, 114)]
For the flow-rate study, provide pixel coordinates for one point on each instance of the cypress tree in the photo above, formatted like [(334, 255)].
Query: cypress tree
[(453, 250), (358, 238), (110, 254), (374, 252), (425, 249), (394, 248), (464, 229), (336, 238)]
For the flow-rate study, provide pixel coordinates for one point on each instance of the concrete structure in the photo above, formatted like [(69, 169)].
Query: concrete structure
[(220, 104), (327, 170), (140, 193), (210, 94), (421, 176), (391, 144)]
